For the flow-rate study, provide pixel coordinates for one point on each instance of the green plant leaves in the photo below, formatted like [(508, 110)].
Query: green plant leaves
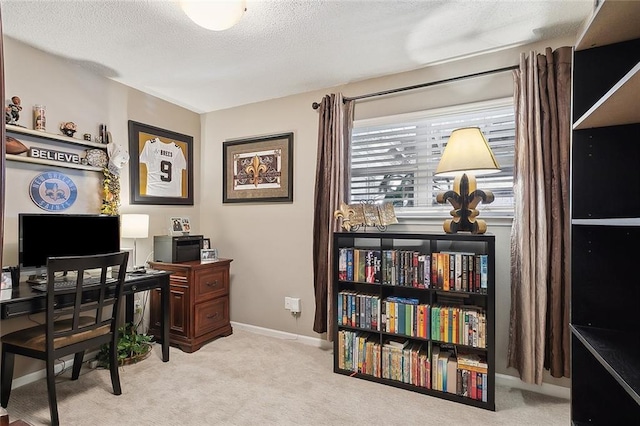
[(131, 344)]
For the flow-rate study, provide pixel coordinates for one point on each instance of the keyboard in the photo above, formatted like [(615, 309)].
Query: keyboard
[(66, 283)]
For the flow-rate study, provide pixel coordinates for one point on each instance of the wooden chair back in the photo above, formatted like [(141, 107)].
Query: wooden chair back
[(86, 304)]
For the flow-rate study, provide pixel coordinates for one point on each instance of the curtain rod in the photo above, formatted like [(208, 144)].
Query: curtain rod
[(316, 105)]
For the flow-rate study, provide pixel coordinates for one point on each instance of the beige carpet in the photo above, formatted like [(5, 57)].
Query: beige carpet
[(248, 379)]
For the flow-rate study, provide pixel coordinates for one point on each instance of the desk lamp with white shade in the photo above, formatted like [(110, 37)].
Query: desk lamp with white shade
[(466, 155), (134, 226)]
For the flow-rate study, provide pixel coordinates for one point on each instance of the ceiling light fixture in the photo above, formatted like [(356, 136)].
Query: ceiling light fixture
[(216, 15)]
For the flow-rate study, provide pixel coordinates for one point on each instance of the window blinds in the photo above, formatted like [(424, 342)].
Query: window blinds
[(395, 161)]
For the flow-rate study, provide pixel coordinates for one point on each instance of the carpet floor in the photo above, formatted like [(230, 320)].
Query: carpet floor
[(248, 379)]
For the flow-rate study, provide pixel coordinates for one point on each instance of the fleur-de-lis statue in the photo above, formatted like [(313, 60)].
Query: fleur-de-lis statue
[(254, 169), (346, 212)]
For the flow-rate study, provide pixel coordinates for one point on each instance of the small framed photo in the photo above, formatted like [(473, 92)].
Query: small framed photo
[(179, 226), (206, 243), (208, 255), (7, 279)]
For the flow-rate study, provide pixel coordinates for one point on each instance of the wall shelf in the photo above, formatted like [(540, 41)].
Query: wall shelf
[(19, 158), (53, 137), (57, 138)]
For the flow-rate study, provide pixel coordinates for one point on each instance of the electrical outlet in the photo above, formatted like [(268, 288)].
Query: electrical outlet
[(292, 304), (295, 305)]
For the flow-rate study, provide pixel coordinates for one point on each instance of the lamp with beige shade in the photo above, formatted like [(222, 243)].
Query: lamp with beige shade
[(466, 155)]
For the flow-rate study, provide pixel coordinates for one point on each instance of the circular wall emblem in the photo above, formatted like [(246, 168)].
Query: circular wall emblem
[(53, 191)]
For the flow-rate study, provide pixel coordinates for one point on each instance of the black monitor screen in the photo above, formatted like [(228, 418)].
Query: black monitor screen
[(48, 235)]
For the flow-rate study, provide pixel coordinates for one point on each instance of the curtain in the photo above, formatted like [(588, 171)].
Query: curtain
[(332, 187), (539, 316)]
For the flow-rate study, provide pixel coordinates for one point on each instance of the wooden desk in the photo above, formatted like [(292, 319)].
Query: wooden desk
[(22, 300)]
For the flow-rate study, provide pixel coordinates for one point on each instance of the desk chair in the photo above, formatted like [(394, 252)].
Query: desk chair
[(75, 322)]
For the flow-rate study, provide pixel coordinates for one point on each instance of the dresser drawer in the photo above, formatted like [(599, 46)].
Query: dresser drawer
[(210, 283), (211, 315)]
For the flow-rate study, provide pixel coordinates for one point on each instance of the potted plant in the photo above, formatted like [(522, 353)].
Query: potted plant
[(132, 347)]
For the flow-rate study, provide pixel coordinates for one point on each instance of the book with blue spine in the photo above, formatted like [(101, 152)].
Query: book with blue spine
[(349, 276), (484, 272)]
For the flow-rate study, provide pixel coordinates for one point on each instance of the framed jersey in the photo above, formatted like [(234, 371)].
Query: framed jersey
[(161, 166)]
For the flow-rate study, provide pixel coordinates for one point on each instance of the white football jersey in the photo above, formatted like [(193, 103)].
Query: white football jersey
[(165, 163)]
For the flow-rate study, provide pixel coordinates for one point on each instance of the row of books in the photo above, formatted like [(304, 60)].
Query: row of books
[(361, 352), (411, 362), (464, 325), (457, 271), (447, 271), (462, 374)]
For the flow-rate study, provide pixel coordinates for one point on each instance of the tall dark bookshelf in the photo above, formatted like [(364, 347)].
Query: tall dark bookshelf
[(425, 244), (605, 218)]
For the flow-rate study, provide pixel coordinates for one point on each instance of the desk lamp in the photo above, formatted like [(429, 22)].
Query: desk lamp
[(134, 226), (466, 152)]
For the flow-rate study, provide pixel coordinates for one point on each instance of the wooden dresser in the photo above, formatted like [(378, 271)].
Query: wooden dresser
[(199, 303)]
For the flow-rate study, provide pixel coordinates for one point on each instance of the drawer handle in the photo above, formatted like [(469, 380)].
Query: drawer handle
[(213, 284), (210, 316)]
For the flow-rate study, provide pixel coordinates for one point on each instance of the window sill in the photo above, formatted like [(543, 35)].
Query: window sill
[(420, 219)]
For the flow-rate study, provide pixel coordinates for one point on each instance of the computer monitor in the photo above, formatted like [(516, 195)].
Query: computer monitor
[(47, 235)]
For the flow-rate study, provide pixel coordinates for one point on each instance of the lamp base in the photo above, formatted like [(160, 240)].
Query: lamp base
[(464, 198)]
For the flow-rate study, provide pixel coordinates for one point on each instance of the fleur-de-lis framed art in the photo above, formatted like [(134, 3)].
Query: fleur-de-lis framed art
[(258, 170)]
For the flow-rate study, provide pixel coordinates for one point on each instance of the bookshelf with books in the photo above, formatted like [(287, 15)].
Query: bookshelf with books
[(605, 217), (416, 311)]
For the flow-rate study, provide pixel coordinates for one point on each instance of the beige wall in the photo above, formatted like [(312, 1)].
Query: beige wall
[(270, 243), (70, 93)]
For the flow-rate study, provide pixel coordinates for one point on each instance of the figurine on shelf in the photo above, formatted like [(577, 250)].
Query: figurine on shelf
[(12, 111), (68, 128)]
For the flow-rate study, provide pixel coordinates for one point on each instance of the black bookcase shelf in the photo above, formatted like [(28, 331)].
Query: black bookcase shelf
[(617, 352), (426, 244), (605, 218)]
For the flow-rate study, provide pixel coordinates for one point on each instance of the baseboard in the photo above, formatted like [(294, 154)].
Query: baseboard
[(501, 379), (311, 341), (545, 388), (41, 374)]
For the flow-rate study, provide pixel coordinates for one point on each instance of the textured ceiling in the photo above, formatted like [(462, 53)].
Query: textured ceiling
[(278, 48)]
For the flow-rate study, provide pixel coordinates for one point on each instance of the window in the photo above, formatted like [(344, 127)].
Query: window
[(393, 159)]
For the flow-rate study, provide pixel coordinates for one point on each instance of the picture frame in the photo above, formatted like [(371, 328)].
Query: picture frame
[(208, 255), (7, 280), (258, 170), (206, 243), (162, 173), (179, 226)]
